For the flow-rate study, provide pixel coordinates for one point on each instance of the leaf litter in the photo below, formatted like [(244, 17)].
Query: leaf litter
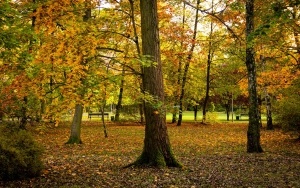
[(212, 155)]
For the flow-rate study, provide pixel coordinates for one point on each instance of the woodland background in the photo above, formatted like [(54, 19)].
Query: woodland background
[(60, 59)]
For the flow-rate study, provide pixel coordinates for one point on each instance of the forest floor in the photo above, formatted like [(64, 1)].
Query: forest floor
[(212, 156)]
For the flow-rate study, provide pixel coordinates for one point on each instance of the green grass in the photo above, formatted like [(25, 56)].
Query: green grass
[(188, 116)]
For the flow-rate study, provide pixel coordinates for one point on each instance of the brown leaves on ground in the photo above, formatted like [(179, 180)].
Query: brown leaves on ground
[(212, 155)]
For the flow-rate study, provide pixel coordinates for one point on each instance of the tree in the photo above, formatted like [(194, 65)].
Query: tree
[(157, 149), (17, 43), (77, 118), (253, 133), (187, 64)]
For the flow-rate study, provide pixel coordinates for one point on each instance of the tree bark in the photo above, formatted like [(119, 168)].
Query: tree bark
[(204, 109), (267, 98), (77, 118), (227, 107), (186, 67), (23, 121), (253, 133), (157, 149), (269, 113), (195, 112), (208, 66), (179, 72), (103, 121), (119, 104), (76, 126), (136, 41)]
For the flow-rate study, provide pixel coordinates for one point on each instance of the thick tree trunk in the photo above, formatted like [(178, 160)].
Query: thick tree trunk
[(253, 133), (157, 149), (76, 126)]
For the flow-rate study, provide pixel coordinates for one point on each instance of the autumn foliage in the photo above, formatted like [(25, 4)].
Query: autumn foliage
[(55, 54)]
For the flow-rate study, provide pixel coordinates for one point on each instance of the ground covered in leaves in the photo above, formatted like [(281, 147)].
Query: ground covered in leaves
[(212, 155)]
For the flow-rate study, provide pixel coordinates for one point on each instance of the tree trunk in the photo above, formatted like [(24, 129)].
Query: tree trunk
[(157, 149), (227, 107), (103, 122), (186, 67), (76, 126), (77, 118), (267, 98), (119, 104), (253, 133), (208, 66), (195, 112), (137, 45), (269, 113), (179, 72), (207, 89), (23, 121), (174, 115)]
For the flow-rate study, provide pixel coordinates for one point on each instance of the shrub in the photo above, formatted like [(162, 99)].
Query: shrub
[(20, 156), (287, 114)]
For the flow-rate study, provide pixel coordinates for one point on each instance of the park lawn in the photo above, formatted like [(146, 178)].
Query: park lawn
[(188, 116), (213, 156)]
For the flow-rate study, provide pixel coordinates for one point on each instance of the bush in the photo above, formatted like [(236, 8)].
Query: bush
[(287, 114), (20, 156)]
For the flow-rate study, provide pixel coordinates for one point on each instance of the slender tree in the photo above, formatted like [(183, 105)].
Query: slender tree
[(187, 65), (179, 70), (210, 55), (120, 96), (253, 133), (157, 149)]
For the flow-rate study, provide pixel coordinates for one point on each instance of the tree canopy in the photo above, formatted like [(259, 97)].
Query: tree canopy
[(57, 54)]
